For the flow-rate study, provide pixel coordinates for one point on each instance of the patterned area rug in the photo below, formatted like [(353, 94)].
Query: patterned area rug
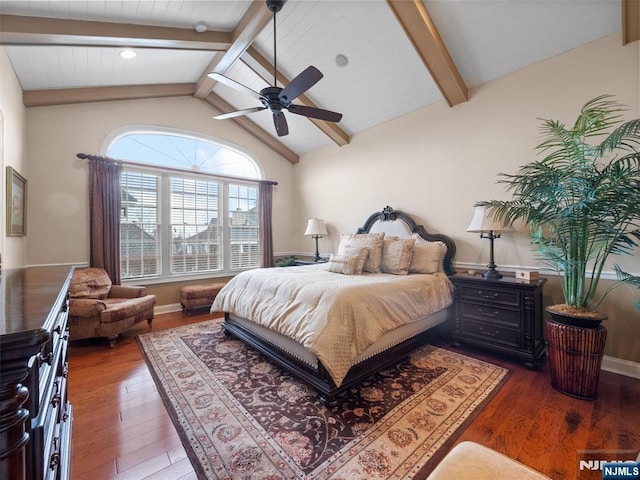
[(241, 417)]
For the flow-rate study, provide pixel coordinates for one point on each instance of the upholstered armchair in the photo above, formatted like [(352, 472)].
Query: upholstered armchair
[(99, 309)]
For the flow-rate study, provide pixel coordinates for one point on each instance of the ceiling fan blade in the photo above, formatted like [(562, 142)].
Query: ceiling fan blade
[(315, 113), (303, 82), (238, 113), (233, 84), (281, 124)]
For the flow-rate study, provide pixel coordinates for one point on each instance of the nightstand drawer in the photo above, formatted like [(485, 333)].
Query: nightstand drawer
[(495, 296), (490, 313), (491, 333)]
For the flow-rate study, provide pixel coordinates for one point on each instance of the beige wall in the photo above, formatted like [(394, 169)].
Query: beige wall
[(436, 162), (12, 144), (58, 220)]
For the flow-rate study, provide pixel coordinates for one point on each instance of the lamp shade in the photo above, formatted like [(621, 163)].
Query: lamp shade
[(482, 221), (316, 226)]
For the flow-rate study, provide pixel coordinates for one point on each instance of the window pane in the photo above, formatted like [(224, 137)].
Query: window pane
[(184, 152), (139, 226), (195, 230), (244, 248)]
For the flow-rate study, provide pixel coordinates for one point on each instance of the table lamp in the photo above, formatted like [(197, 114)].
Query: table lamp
[(483, 223), (316, 228)]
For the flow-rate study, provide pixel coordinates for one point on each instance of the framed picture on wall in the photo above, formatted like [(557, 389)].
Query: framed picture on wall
[(16, 204)]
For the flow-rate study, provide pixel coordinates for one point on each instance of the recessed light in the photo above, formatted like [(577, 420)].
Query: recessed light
[(342, 60), (128, 53)]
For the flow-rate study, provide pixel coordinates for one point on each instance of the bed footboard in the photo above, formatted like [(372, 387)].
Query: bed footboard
[(318, 378)]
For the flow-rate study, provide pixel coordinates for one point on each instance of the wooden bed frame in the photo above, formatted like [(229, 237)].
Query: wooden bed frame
[(320, 379)]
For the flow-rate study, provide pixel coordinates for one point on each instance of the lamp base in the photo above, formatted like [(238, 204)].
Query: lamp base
[(492, 274)]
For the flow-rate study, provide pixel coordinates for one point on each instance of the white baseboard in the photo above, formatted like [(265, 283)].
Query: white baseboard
[(620, 366), (170, 308)]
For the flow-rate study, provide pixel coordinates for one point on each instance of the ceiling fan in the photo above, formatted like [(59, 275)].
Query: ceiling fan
[(276, 98)]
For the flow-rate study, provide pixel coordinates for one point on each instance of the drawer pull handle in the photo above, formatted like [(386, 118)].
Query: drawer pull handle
[(488, 295), (55, 457), (488, 314), (55, 400), (48, 358), (493, 333)]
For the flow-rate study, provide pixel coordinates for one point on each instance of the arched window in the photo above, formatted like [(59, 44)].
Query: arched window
[(189, 205), (183, 150)]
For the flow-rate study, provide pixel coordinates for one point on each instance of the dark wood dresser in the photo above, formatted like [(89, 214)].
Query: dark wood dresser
[(35, 415), (502, 315)]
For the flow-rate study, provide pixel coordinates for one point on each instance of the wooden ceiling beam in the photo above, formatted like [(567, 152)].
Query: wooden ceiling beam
[(223, 106), (19, 30), (65, 96), (252, 23), (423, 34), (630, 21), (263, 67)]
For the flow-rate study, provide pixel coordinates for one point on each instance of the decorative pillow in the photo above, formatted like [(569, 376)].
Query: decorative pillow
[(396, 255), (372, 241), (428, 257), (361, 253), (345, 265)]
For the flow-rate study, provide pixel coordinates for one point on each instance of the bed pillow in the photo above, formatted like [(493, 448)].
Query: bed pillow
[(428, 257), (371, 241), (396, 255), (361, 253), (347, 265)]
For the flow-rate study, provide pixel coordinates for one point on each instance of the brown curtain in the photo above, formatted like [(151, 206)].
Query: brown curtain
[(104, 215), (266, 236)]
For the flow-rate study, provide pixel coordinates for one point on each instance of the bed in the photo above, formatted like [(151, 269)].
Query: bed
[(331, 326)]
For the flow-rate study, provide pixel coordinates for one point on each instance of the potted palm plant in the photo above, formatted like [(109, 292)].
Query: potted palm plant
[(581, 202)]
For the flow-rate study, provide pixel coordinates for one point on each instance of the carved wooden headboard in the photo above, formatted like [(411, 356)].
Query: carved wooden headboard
[(399, 224)]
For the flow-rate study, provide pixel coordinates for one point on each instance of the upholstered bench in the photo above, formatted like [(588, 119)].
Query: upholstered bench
[(199, 296), (469, 460)]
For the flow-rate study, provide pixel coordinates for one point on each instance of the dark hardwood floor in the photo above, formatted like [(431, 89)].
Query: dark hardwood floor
[(122, 431)]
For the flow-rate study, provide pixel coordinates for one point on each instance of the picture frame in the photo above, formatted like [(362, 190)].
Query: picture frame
[(16, 204)]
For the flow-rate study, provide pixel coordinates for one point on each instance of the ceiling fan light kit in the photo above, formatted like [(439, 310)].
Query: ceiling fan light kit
[(276, 98)]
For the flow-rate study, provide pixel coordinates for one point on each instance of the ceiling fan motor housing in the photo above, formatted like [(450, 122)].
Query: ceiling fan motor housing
[(271, 99)]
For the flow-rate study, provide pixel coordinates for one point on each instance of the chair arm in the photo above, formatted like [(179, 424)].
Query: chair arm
[(126, 291), (86, 307)]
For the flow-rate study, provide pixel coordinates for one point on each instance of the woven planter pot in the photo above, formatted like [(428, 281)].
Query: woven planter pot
[(575, 357)]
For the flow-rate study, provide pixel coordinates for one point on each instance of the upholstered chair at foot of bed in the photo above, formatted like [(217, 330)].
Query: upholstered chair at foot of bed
[(99, 309)]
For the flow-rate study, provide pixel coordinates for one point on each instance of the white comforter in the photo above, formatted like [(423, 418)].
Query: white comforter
[(337, 317)]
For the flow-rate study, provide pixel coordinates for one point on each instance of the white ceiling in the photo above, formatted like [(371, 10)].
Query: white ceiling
[(384, 78)]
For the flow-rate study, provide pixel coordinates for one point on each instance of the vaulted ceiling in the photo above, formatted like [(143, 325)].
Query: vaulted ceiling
[(380, 59)]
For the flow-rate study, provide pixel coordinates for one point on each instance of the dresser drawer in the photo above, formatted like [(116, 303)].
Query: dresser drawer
[(491, 333), (489, 314), (495, 296), (45, 437)]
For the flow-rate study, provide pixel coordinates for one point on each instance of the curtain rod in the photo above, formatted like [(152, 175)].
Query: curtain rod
[(86, 156)]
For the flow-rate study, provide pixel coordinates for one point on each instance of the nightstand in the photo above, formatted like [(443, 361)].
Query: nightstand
[(502, 315), (308, 262)]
